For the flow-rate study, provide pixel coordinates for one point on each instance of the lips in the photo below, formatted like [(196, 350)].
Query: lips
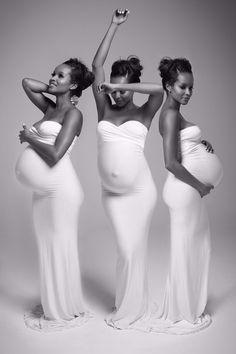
[(52, 83)]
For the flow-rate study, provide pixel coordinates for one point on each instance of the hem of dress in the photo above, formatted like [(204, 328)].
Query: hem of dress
[(152, 323), (36, 320), (140, 324), (181, 327)]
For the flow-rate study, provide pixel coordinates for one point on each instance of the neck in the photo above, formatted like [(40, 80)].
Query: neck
[(63, 101), (128, 106), (172, 103)]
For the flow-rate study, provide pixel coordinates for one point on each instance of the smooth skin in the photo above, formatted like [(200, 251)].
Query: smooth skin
[(119, 88), (62, 111), (170, 123)]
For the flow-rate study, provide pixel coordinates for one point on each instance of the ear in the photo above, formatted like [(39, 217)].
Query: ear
[(168, 87), (73, 86)]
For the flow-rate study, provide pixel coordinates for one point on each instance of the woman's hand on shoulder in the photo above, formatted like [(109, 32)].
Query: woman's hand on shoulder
[(120, 16)]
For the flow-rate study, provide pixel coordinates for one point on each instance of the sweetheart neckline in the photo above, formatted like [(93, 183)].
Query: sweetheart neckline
[(119, 126), (45, 121), (190, 126), (53, 121)]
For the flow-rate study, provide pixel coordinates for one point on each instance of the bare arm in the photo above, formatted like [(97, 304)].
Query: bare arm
[(154, 91), (51, 154), (34, 90), (170, 132), (119, 16)]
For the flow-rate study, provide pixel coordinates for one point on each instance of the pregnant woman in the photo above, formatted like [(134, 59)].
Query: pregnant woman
[(129, 193), (194, 170), (46, 168)]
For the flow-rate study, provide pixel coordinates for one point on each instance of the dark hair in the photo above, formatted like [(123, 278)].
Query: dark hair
[(130, 68), (170, 69), (80, 75)]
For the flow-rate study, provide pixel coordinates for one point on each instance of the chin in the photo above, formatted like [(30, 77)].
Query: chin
[(51, 90), (184, 102), (120, 104)]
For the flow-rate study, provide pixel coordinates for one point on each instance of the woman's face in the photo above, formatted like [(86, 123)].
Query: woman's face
[(60, 81), (182, 89), (121, 98)]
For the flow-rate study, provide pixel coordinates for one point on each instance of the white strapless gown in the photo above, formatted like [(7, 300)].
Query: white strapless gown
[(57, 197), (185, 297), (129, 197)]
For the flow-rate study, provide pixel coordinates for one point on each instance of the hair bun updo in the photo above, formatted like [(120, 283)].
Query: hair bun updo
[(130, 68), (170, 68), (164, 66), (80, 75)]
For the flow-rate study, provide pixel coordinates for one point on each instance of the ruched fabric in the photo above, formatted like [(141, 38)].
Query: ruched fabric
[(129, 197), (57, 198), (182, 310)]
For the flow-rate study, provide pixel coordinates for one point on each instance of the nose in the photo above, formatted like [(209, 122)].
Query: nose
[(117, 94), (188, 91)]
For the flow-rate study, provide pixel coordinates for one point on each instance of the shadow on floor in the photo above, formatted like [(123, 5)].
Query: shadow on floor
[(217, 301), (98, 292)]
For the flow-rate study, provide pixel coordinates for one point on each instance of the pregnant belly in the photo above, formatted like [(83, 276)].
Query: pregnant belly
[(204, 166), (33, 171), (119, 166)]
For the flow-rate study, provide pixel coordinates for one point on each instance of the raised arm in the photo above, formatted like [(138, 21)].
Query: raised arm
[(169, 125), (155, 92), (51, 154), (34, 90), (119, 16)]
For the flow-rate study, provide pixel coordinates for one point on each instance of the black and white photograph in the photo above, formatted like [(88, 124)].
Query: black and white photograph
[(118, 177)]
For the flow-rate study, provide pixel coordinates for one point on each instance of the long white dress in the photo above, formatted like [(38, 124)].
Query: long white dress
[(57, 197), (185, 296), (129, 197)]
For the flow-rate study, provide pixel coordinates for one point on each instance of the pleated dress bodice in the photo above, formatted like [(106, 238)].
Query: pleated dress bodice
[(48, 131), (120, 153)]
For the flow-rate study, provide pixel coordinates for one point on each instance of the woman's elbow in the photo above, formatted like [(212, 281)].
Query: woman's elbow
[(170, 166), (53, 159), (25, 82), (94, 65)]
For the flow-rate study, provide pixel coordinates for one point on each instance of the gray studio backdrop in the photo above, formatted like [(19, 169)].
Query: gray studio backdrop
[(38, 35)]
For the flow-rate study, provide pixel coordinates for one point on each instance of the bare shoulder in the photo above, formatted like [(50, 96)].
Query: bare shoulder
[(73, 121), (73, 114), (169, 120)]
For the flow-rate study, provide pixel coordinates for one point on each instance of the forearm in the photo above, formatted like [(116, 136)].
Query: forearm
[(104, 47), (180, 172), (49, 153), (34, 85), (141, 87)]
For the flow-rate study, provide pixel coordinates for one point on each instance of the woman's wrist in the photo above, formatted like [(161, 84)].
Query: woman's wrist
[(114, 24)]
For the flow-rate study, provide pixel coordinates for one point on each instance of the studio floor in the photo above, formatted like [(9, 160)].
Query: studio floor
[(19, 291)]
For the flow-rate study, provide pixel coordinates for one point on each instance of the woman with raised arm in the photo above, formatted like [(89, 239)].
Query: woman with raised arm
[(129, 193), (194, 170), (46, 168)]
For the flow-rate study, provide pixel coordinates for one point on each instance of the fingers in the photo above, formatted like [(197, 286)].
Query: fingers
[(122, 12), (209, 147), (100, 88)]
